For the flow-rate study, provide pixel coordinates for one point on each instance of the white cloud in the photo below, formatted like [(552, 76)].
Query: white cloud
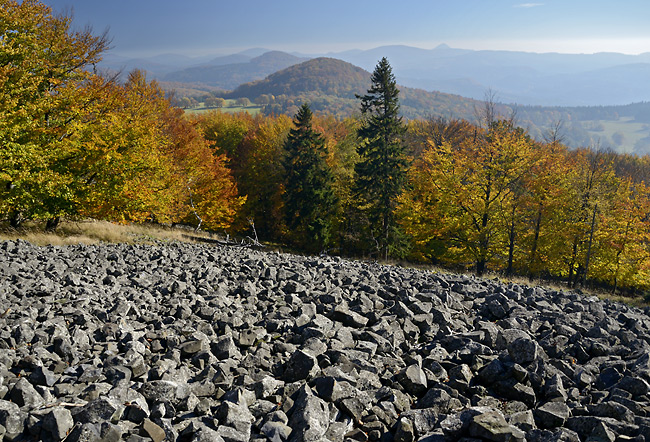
[(528, 5)]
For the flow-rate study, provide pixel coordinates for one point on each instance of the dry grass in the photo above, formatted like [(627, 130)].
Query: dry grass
[(637, 301), (93, 232)]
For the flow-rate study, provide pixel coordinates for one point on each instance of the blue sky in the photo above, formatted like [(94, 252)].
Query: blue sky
[(202, 27)]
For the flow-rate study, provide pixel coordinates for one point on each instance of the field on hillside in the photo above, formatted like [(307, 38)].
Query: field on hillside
[(623, 134), (230, 107)]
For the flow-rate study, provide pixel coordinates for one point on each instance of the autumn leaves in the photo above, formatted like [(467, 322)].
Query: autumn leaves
[(74, 143), (79, 144), (503, 202)]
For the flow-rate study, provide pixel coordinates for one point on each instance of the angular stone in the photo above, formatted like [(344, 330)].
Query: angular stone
[(42, 376), (556, 435), (493, 426), (300, 366), (154, 431), (11, 418), (413, 379), (58, 423), (636, 386), (276, 431), (237, 416), (405, 431), (554, 389), (460, 377), (353, 407), (438, 400), (163, 390), (551, 414), (103, 409), (524, 420), (25, 395), (192, 347), (523, 350), (224, 348), (310, 418), (424, 420), (86, 432), (348, 317)]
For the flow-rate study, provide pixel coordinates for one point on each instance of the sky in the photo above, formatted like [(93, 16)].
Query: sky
[(219, 27)]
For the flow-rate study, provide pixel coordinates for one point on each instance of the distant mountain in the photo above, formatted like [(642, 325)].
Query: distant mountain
[(602, 84), (330, 86), (548, 79), (524, 78), (322, 76), (229, 59), (156, 66), (229, 76)]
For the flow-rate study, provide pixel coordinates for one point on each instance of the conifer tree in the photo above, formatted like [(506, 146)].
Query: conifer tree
[(381, 172), (309, 197)]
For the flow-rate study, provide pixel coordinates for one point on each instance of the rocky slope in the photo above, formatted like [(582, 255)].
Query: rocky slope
[(199, 343)]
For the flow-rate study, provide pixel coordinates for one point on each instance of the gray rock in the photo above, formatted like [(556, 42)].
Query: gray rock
[(524, 420), (405, 430), (556, 435), (86, 432), (554, 389), (551, 415), (276, 431), (58, 422), (300, 366), (154, 431), (493, 426), (11, 418), (103, 409), (25, 395), (224, 348), (413, 379), (310, 418), (460, 377), (424, 420), (237, 416), (164, 390), (523, 350)]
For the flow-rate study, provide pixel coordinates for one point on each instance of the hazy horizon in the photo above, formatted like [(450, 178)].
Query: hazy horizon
[(206, 27)]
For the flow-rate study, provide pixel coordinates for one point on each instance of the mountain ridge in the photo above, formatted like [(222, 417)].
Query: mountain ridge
[(515, 76)]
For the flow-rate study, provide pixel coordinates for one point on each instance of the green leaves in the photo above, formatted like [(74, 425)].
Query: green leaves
[(309, 198), (381, 171)]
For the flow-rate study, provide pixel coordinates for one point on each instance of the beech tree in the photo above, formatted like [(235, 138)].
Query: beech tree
[(44, 70), (381, 171), (309, 198), (462, 197)]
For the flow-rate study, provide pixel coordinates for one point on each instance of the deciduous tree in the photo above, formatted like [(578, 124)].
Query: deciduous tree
[(44, 96)]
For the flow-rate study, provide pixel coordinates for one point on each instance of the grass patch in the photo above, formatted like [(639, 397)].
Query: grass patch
[(229, 108), (94, 232), (630, 130)]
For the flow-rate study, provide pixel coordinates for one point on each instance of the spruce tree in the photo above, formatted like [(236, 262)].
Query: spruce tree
[(309, 198), (381, 171)]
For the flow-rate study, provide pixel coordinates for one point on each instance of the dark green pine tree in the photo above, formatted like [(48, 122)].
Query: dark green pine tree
[(309, 199), (381, 171)]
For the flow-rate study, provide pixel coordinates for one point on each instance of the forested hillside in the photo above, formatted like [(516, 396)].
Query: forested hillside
[(481, 195), (330, 85)]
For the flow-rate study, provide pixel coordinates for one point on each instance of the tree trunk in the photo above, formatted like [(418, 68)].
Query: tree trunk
[(15, 219), (533, 250), (591, 239), (573, 263), (52, 224), (483, 244), (511, 243)]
